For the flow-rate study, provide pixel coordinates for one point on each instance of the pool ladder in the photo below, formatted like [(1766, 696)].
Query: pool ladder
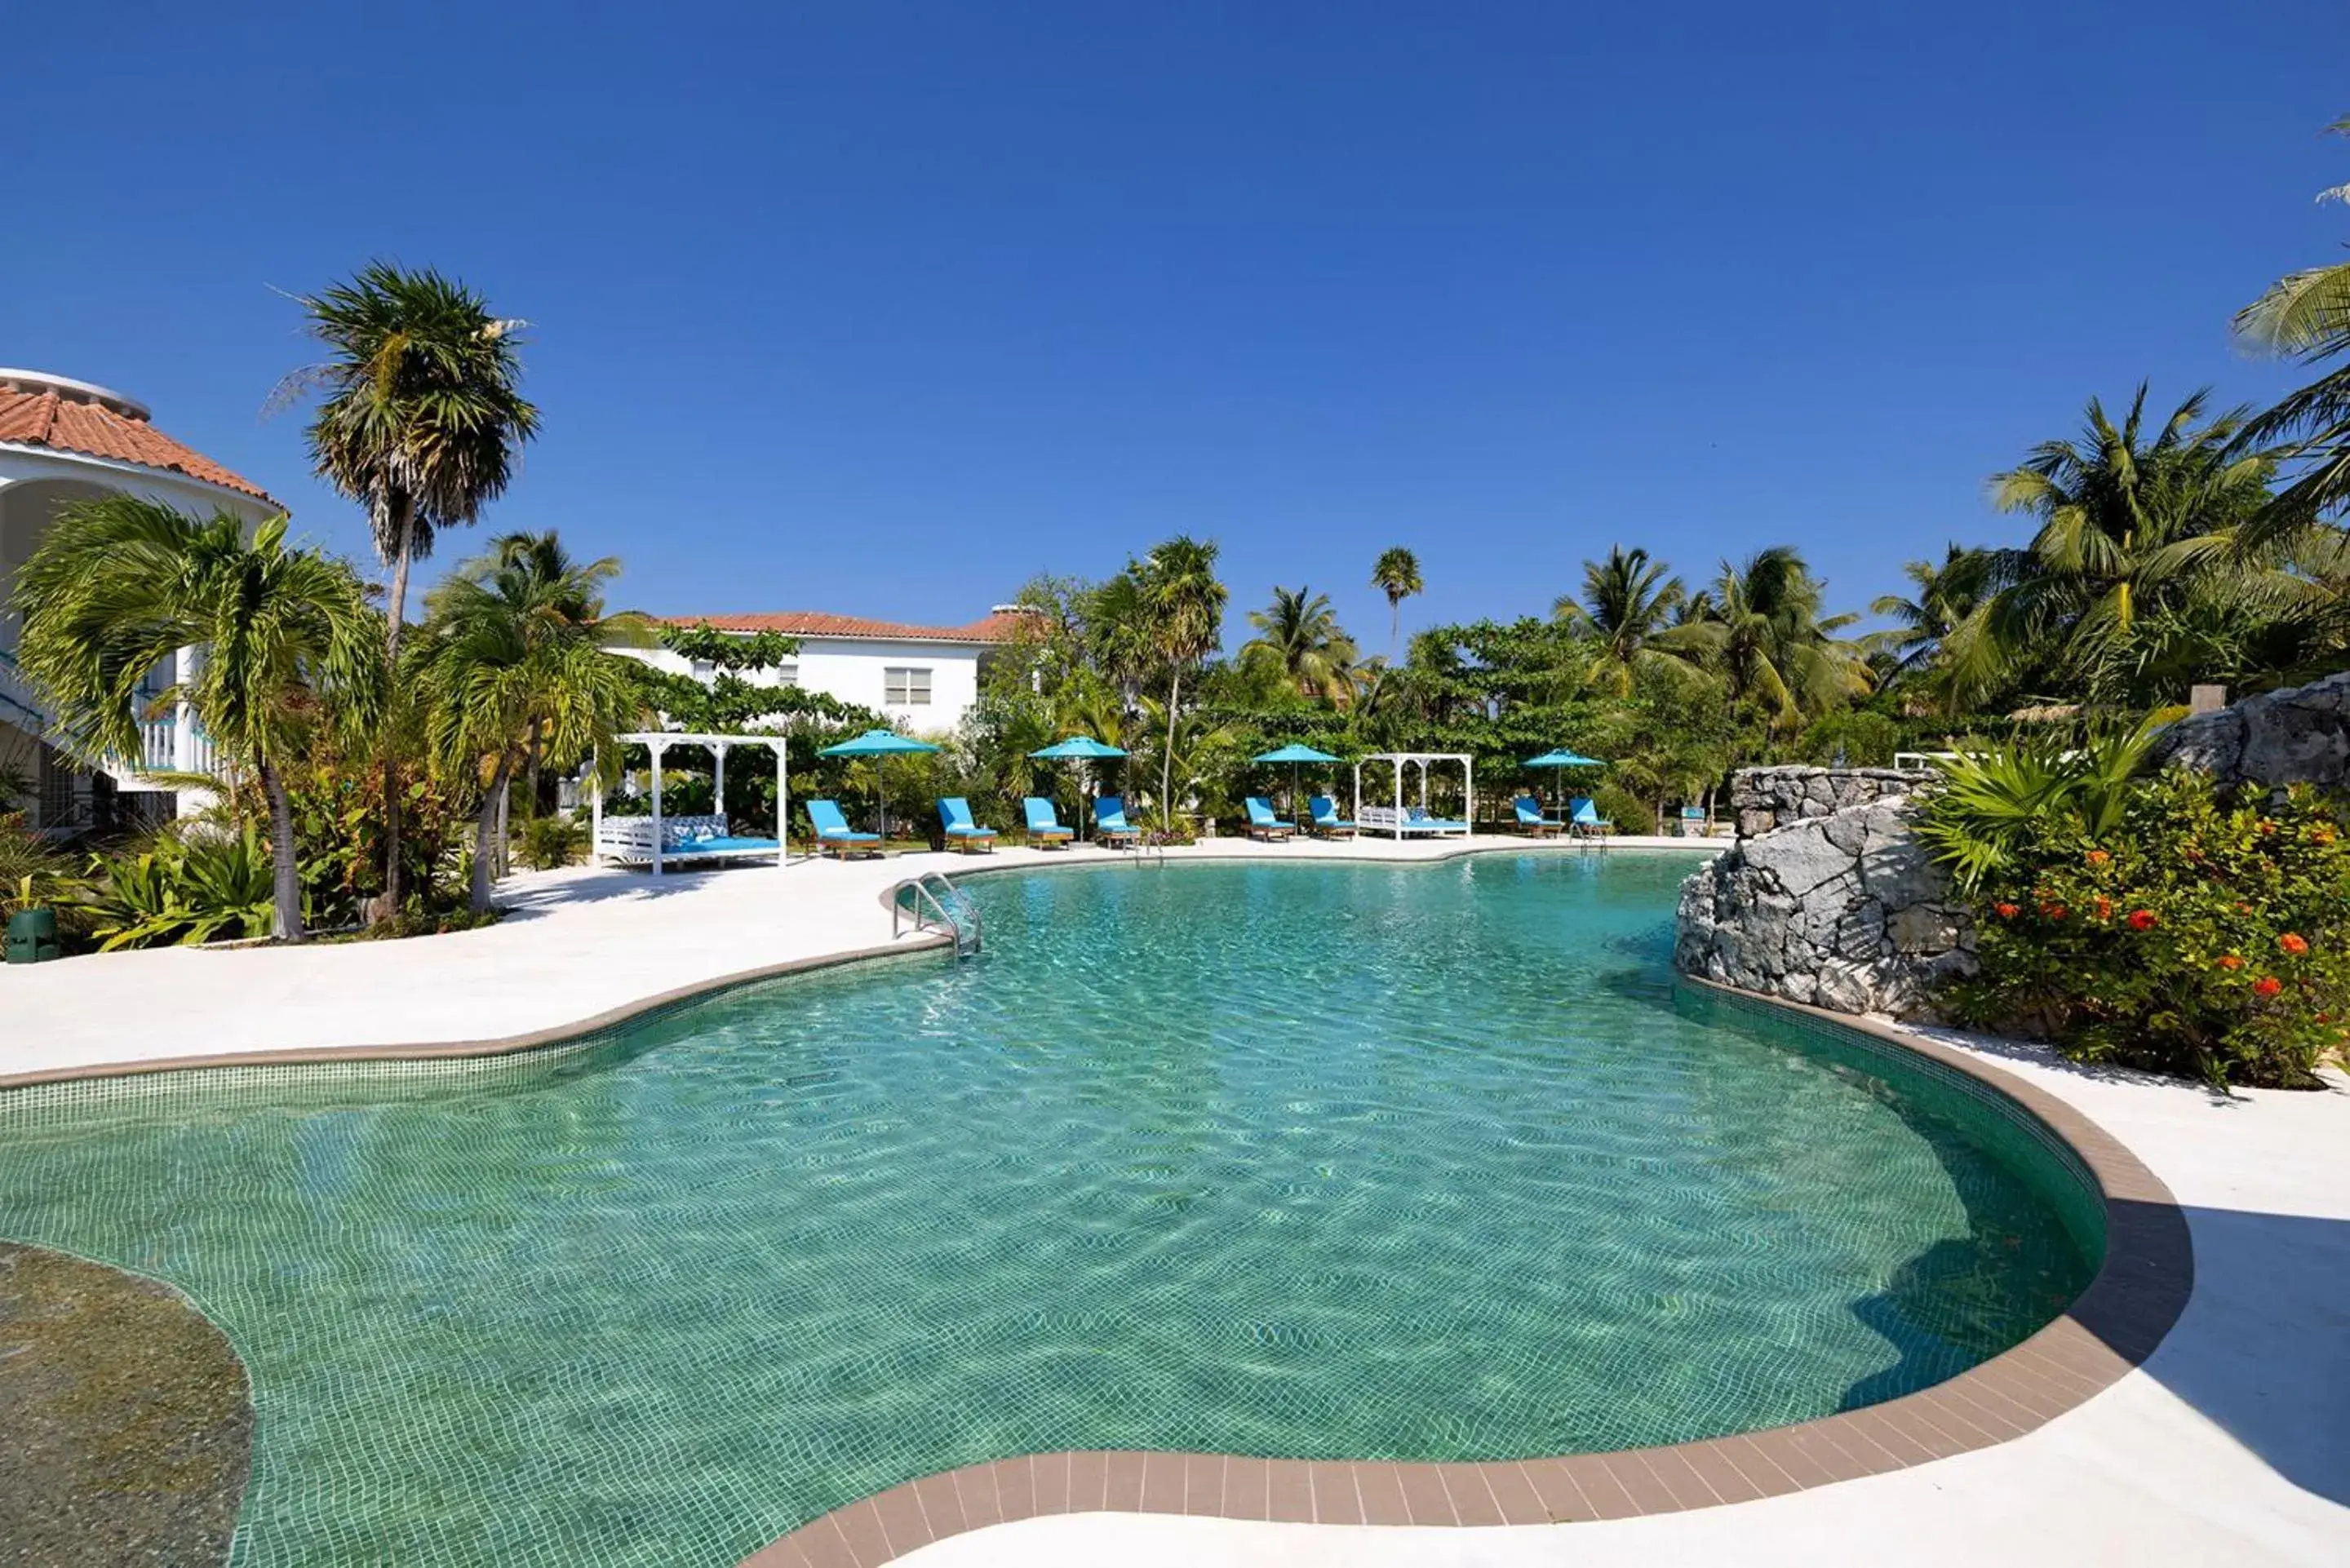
[(931, 900)]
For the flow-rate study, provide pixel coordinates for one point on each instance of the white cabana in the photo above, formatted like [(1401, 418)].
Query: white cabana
[(1399, 819), (637, 840)]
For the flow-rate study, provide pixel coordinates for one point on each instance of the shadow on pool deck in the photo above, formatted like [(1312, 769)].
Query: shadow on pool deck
[(2263, 1347)]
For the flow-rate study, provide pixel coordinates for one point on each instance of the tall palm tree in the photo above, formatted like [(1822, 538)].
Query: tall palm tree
[(2305, 316), (1299, 635), (421, 422), (423, 418), (1764, 630), (2128, 523), (283, 637), (516, 651), (1186, 605), (1397, 575), (1624, 612)]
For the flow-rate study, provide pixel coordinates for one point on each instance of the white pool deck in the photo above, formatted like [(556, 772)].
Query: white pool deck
[(2231, 1446)]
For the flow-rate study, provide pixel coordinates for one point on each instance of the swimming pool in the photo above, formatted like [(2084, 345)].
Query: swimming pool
[(1410, 1162)]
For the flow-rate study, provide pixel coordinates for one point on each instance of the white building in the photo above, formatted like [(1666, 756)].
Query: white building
[(925, 678), (63, 441)]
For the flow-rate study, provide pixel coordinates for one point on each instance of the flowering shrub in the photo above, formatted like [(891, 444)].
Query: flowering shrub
[(2200, 936)]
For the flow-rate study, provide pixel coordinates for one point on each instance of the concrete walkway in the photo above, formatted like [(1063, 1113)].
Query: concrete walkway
[(2231, 1446)]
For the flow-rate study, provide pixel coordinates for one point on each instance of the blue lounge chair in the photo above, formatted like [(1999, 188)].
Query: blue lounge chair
[(1044, 829), (962, 833), (833, 832), (1323, 819), (1110, 826), (1583, 817), (1532, 819), (1263, 823)]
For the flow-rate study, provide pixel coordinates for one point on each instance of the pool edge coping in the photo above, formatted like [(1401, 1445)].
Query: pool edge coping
[(2115, 1324)]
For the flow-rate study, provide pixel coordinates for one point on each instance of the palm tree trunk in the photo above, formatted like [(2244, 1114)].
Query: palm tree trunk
[(485, 822), (1394, 625), (395, 615), (285, 870), (1167, 757)]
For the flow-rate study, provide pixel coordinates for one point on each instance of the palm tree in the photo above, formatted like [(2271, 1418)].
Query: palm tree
[(514, 653), (421, 422), (283, 637), (1947, 592), (423, 417), (1186, 607), (2306, 316), (1764, 630), (1397, 575), (2128, 525), (1300, 637), (1626, 608)]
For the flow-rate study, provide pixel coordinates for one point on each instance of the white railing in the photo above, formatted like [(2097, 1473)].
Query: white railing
[(18, 702)]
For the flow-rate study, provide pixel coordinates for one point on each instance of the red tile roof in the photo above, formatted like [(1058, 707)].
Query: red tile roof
[(1001, 625), (72, 424)]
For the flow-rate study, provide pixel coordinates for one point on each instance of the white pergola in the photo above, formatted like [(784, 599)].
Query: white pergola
[(658, 741), (1385, 819)]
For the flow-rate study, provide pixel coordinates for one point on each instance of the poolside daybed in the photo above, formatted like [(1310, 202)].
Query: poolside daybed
[(617, 839), (1401, 820)]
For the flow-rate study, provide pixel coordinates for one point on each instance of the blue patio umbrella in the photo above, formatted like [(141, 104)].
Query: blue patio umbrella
[(1296, 755), (1560, 757), (1077, 748), (878, 743)]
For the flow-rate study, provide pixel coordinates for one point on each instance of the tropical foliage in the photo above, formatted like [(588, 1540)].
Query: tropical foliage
[(512, 666), (119, 585), (2164, 926)]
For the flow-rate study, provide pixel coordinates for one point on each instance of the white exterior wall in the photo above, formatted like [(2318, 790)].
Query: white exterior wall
[(854, 671)]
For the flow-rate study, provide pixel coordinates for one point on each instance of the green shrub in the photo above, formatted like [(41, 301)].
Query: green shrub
[(2186, 933), (548, 842), (199, 888), (1626, 810), (1852, 738), (31, 872)]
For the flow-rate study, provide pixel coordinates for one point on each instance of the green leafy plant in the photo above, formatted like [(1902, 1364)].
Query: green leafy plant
[(184, 890), (548, 842), (2185, 932), (1993, 804)]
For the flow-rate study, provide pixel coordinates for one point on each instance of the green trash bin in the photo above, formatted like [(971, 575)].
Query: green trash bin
[(33, 936)]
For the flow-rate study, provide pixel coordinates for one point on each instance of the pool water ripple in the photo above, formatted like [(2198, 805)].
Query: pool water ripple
[(1356, 1162)]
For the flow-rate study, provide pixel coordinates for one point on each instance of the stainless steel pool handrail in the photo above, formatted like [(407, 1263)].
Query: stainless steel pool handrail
[(955, 910)]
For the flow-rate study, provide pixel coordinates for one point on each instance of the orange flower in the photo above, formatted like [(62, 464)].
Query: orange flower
[(2231, 961), (2294, 943), (2097, 857), (2144, 919), (2243, 908), (2267, 985), (2053, 911), (2266, 829), (2320, 834), (2006, 911), (2104, 908)]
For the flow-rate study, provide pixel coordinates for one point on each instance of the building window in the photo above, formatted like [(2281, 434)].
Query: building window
[(787, 674), (905, 688), (705, 669)]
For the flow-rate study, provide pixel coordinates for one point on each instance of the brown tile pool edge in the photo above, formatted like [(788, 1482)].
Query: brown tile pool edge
[(2113, 1326)]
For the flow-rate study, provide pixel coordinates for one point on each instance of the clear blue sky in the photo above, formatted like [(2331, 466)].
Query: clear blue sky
[(881, 308)]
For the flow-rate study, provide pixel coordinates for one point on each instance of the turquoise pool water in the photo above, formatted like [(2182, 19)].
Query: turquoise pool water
[(1426, 1162)]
